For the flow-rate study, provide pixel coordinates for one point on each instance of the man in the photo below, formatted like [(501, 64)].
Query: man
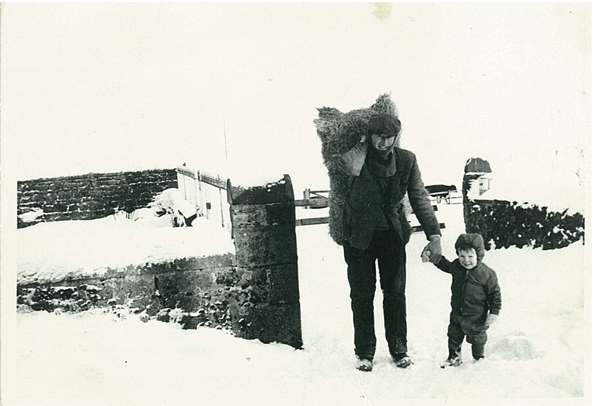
[(375, 229)]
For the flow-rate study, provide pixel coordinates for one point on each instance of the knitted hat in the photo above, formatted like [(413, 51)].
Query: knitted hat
[(384, 123), (475, 241)]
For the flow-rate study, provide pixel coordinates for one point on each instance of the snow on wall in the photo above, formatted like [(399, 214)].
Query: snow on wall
[(554, 187), (56, 250), (525, 211), (555, 197)]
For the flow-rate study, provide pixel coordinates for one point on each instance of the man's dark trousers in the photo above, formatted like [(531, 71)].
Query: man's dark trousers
[(387, 250)]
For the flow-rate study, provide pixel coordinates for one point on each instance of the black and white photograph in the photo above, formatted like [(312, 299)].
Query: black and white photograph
[(296, 203)]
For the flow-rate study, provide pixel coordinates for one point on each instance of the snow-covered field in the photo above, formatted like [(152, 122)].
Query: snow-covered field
[(538, 352)]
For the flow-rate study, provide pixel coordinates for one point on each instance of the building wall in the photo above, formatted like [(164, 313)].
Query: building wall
[(207, 192)]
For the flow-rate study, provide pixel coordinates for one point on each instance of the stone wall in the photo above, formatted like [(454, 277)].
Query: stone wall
[(192, 291), (91, 196), (503, 224), (254, 293)]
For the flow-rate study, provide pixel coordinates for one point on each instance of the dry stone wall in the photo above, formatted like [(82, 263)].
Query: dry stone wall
[(91, 196), (254, 293), (504, 224), (192, 291)]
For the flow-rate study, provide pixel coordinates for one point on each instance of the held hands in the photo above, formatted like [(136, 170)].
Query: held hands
[(491, 319), (432, 251), (426, 256)]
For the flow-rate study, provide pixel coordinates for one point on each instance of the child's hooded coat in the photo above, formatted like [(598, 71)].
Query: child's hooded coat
[(475, 292)]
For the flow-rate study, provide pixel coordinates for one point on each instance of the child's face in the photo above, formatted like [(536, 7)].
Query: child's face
[(467, 258)]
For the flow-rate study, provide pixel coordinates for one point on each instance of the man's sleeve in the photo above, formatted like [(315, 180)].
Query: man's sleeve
[(419, 201)]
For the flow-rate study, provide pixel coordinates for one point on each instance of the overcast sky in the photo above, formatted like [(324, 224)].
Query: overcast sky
[(108, 87)]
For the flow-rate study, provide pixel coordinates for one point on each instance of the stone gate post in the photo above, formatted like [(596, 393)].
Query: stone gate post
[(263, 222)]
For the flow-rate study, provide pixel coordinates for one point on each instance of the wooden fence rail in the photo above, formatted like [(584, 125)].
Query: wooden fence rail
[(315, 199)]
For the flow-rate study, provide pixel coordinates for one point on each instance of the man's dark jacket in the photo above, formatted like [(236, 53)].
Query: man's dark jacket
[(365, 198)]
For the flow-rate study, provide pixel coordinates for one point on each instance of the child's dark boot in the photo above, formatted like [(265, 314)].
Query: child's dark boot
[(453, 360)]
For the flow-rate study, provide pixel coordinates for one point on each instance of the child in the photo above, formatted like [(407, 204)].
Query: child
[(476, 298)]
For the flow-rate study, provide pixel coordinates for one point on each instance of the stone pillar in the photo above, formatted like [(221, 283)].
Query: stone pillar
[(263, 222), (473, 170)]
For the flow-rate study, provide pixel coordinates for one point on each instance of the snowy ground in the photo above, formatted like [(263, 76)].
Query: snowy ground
[(537, 353)]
